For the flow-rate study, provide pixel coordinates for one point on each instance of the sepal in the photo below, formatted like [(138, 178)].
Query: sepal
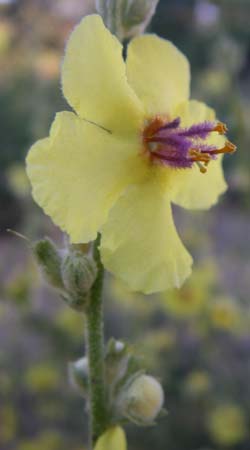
[(116, 361), (78, 375), (49, 260)]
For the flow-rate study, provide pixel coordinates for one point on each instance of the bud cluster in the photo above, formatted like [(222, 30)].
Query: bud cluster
[(131, 394), (69, 270)]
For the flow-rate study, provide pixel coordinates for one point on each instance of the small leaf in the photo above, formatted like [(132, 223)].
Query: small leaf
[(113, 439)]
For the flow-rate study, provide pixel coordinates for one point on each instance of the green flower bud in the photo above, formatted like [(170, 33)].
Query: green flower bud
[(126, 18), (141, 400), (137, 15), (78, 375), (79, 273), (49, 259)]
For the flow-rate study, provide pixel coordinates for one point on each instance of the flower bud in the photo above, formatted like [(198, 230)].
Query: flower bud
[(142, 400), (49, 259), (126, 18), (137, 14), (116, 361), (79, 273), (78, 375)]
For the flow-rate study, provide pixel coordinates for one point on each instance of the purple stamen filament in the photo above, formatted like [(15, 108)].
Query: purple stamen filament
[(179, 147)]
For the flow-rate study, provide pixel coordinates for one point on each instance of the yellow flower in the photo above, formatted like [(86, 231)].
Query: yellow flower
[(112, 439), (197, 383), (70, 323), (134, 145), (227, 424), (193, 298), (131, 301), (162, 339), (42, 378), (225, 314), (49, 440), (18, 180)]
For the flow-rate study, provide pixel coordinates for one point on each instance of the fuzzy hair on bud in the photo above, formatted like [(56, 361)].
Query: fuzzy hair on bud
[(126, 18), (79, 273), (49, 259), (137, 14), (142, 400)]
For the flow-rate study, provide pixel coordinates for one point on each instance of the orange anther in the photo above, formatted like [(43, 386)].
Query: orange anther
[(221, 128), (202, 168), (229, 147)]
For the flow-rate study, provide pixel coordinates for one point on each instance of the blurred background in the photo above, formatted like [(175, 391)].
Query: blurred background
[(197, 339)]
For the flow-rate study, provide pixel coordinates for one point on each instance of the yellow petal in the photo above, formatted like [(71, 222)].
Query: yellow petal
[(140, 244), (79, 172), (193, 189), (113, 439), (94, 78), (158, 72)]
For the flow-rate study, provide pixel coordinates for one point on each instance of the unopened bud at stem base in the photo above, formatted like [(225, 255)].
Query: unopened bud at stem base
[(142, 400)]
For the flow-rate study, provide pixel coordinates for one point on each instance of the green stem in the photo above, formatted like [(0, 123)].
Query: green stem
[(95, 345)]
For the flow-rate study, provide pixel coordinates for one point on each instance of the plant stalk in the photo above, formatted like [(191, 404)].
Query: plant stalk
[(95, 352)]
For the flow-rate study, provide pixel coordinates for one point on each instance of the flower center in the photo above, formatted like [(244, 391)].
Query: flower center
[(168, 143)]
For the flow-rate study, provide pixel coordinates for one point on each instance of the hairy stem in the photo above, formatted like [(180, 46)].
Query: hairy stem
[(95, 347)]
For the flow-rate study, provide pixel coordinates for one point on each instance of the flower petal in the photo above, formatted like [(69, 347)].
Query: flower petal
[(193, 189), (94, 78), (79, 172), (140, 244), (112, 439), (158, 72)]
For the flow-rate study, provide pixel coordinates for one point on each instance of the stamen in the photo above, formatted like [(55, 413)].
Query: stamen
[(229, 147), (172, 141), (181, 148), (198, 130), (171, 125), (202, 168), (153, 127), (221, 128), (197, 156)]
